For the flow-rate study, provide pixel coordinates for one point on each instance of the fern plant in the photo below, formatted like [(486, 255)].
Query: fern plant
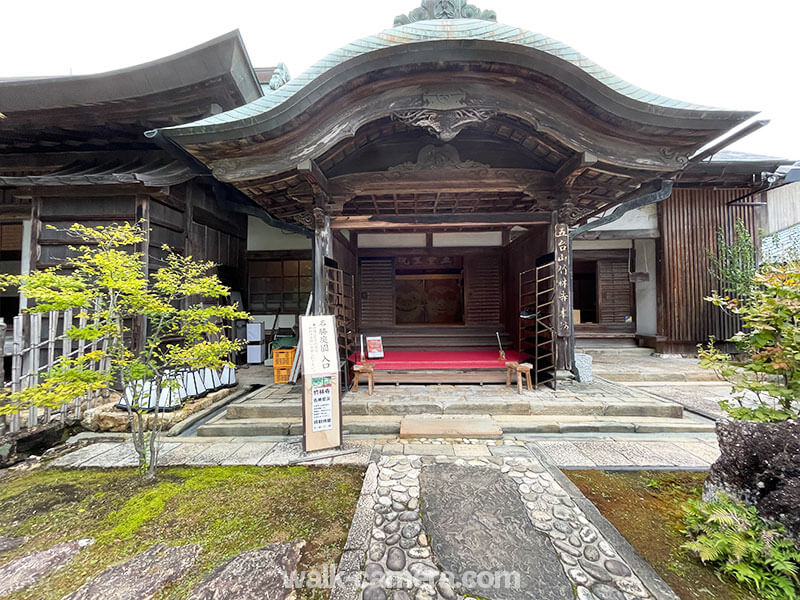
[(738, 543)]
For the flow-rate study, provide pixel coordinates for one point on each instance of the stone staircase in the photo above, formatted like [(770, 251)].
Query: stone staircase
[(636, 364), (392, 410)]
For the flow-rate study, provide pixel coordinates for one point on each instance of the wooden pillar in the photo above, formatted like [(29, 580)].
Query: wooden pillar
[(323, 247), (565, 339), (139, 327)]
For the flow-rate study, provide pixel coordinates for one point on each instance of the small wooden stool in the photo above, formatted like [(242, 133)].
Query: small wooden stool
[(520, 369), (370, 371)]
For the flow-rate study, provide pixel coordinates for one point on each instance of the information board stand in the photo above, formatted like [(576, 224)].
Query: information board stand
[(322, 399)]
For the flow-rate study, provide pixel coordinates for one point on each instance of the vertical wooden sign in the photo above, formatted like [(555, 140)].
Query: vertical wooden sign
[(563, 291), (322, 400)]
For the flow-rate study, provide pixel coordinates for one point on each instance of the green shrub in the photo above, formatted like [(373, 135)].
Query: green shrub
[(769, 343), (738, 543)]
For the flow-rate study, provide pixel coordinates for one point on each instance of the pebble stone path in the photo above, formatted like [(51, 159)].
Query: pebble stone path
[(397, 558)]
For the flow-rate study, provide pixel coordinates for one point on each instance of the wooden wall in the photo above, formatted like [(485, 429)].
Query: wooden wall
[(61, 207), (217, 235), (688, 221), (185, 218), (345, 255), (484, 285), (520, 255)]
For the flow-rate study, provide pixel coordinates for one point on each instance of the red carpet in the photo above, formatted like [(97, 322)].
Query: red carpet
[(454, 359)]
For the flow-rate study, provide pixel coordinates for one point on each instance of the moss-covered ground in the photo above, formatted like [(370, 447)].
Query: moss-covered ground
[(645, 506), (226, 510)]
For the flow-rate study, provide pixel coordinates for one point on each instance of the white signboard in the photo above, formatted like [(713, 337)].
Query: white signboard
[(320, 351), (321, 403), (322, 409)]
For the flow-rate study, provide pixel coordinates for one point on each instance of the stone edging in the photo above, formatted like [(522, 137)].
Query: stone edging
[(355, 548), (650, 579), (387, 535)]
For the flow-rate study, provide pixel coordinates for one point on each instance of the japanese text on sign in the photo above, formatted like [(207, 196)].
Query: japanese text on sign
[(319, 345), (562, 268), (321, 403)]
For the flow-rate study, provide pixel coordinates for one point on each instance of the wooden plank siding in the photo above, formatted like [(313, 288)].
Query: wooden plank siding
[(483, 288), (49, 247), (688, 221), (614, 292), (376, 292), (520, 255)]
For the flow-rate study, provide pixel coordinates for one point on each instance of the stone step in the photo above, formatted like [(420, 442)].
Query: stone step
[(507, 424), (607, 354), (361, 404), (450, 426), (568, 424), (628, 376), (283, 427)]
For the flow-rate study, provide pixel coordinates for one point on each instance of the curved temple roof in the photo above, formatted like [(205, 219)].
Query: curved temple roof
[(466, 30)]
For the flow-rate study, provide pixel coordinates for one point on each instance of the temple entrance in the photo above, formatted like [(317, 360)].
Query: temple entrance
[(435, 298), (603, 295)]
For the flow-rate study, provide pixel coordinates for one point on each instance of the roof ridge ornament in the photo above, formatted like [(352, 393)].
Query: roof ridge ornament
[(280, 76), (445, 9)]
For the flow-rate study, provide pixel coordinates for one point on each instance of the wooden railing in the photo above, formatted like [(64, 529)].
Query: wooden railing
[(39, 342)]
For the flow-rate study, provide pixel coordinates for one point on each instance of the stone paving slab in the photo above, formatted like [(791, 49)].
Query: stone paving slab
[(76, 457), (412, 557), (477, 521), (672, 453), (627, 453), (121, 455), (602, 453), (361, 457), (284, 453), (214, 454), (479, 426), (466, 450), (704, 451), (249, 453), (183, 454), (566, 454)]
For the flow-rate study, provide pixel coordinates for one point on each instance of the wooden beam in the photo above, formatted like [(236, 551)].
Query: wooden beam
[(321, 249), (619, 234), (314, 175), (444, 180), (573, 167), (493, 220)]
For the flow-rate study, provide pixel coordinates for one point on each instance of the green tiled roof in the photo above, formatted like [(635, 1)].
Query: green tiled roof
[(445, 29)]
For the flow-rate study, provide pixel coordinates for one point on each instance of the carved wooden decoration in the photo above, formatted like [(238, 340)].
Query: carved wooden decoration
[(438, 157), (444, 124)]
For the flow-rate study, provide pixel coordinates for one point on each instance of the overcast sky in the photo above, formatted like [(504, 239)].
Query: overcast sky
[(732, 54)]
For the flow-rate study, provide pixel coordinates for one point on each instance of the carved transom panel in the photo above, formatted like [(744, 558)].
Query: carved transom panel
[(438, 157)]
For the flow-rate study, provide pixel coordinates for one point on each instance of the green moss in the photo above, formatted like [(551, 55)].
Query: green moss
[(226, 510), (142, 508), (646, 507)]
